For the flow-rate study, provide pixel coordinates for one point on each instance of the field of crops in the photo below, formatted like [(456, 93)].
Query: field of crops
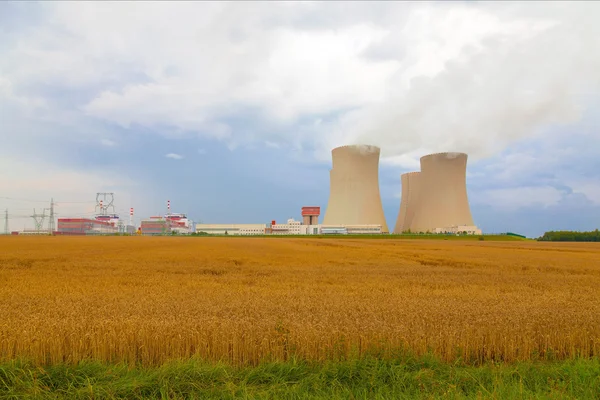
[(243, 300)]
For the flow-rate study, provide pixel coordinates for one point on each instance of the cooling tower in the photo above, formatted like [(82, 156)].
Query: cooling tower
[(354, 197), (443, 198), (409, 202)]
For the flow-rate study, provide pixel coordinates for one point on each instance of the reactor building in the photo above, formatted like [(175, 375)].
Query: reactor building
[(435, 199), (354, 198)]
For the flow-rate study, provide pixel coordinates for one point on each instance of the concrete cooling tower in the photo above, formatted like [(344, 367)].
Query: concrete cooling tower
[(442, 199), (411, 186), (354, 197)]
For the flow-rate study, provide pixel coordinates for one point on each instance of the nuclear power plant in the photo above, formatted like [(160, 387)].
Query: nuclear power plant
[(435, 199), (354, 197)]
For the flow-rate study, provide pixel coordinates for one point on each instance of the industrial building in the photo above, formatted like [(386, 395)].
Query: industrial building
[(308, 226), (156, 225), (310, 215), (292, 227), (179, 223), (459, 229), (85, 226), (354, 197), (103, 223), (232, 229), (435, 199), (351, 229)]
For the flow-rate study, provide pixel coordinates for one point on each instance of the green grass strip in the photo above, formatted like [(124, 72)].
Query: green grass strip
[(368, 378)]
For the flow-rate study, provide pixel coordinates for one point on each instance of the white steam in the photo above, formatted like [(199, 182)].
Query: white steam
[(508, 87), (453, 155), (365, 149)]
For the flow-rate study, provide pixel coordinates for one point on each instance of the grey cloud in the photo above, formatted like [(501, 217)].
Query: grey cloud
[(572, 212), (414, 76)]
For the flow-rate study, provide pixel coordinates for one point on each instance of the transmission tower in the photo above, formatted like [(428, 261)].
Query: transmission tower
[(104, 201), (51, 226), (6, 222), (38, 219)]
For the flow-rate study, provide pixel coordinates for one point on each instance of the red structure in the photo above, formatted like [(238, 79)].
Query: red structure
[(310, 215), (84, 226)]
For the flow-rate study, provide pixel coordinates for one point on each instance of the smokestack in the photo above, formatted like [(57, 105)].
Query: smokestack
[(354, 197)]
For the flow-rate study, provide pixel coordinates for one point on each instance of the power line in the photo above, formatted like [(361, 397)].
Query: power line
[(31, 201), (74, 202), (45, 201)]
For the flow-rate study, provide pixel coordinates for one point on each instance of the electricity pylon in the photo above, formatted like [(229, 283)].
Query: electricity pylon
[(38, 220), (51, 226), (104, 201)]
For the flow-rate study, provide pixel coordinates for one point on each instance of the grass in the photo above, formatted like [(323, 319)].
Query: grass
[(367, 378), (404, 236)]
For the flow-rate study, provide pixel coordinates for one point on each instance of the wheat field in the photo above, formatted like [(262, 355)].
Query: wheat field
[(240, 300)]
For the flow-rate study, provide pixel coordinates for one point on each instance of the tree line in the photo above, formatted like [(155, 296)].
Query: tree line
[(571, 236)]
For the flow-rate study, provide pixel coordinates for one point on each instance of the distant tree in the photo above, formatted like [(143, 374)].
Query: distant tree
[(570, 236)]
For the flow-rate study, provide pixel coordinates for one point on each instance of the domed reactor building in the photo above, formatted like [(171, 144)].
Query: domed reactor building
[(354, 197), (435, 199)]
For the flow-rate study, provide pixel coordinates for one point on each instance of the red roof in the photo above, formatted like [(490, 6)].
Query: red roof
[(307, 211)]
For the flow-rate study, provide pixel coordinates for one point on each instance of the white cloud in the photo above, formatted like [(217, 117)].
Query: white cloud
[(407, 77), (174, 156)]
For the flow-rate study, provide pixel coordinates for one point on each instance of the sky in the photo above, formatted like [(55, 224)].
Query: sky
[(230, 109)]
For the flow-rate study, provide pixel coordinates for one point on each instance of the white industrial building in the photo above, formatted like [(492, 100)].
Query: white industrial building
[(291, 227), (232, 229), (351, 229), (458, 229)]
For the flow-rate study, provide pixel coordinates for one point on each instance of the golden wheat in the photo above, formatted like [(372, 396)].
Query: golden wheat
[(243, 300)]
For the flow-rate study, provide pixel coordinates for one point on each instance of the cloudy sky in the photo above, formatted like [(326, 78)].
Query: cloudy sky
[(230, 110)]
